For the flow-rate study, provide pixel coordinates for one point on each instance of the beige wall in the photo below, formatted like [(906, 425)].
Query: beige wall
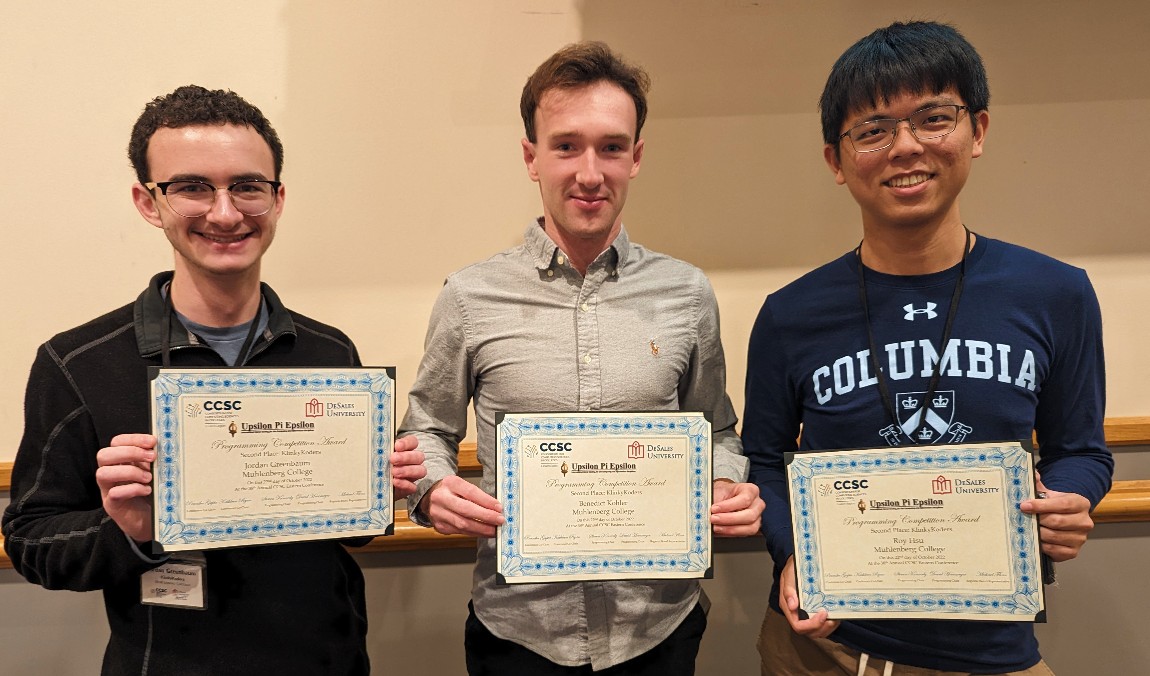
[(401, 127)]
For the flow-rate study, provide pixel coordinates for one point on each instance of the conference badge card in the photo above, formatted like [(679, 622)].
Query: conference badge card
[(259, 456), (603, 496)]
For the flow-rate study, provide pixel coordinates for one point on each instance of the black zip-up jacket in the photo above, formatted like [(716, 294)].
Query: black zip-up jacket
[(272, 609)]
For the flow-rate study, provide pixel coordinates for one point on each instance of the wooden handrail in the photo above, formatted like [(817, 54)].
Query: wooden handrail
[(469, 460), (1127, 501), (407, 536), (1132, 431)]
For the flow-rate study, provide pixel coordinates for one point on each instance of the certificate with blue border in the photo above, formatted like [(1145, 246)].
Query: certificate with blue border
[(603, 496), (261, 456), (925, 532)]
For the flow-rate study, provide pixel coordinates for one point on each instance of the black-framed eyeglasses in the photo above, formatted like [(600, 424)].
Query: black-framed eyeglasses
[(192, 199), (926, 124)]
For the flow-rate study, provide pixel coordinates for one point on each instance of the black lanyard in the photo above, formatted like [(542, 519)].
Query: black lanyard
[(166, 333), (880, 375)]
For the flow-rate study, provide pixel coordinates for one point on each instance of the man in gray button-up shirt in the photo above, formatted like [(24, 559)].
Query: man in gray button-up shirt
[(577, 318)]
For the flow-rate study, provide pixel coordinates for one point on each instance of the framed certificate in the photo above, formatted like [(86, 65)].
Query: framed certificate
[(602, 496), (258, 456), (923, 532)]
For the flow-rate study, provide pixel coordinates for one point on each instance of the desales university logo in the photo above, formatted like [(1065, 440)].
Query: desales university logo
[(931, 423)]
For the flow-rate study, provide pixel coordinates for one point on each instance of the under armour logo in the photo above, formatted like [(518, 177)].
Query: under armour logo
[(911, 312)]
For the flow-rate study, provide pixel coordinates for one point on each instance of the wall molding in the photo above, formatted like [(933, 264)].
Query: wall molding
[(1127, 501)]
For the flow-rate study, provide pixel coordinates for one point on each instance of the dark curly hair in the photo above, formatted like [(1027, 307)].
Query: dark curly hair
[(193, 105), (579, 64)]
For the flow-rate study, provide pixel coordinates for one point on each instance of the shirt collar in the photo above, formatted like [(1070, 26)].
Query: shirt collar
[(544, 251)]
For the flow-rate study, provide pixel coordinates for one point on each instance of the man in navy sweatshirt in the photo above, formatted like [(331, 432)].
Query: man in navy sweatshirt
[(1001, 341)]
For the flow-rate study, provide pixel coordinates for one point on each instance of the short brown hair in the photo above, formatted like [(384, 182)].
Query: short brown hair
[(580, 64)]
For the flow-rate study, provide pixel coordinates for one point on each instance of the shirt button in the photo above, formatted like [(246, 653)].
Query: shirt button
[(586, 359), (550, 273), (583, 307), (560, 260)]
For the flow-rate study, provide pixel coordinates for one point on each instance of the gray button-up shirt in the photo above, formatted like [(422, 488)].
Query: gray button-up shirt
[(524, 331)]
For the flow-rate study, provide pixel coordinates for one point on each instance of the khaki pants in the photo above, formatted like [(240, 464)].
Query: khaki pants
[(785, 653)]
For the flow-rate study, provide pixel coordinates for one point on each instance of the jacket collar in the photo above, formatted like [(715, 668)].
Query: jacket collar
[(148, 313)]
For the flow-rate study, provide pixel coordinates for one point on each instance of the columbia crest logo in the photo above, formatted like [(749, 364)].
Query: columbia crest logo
[(912, 311), (924, 422)]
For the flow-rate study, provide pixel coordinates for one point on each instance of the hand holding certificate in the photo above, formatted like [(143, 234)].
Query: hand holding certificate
[(260, 456), (926, 532), (604, 496)]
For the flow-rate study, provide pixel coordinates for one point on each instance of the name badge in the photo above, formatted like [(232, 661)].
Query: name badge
[(179, 583)]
